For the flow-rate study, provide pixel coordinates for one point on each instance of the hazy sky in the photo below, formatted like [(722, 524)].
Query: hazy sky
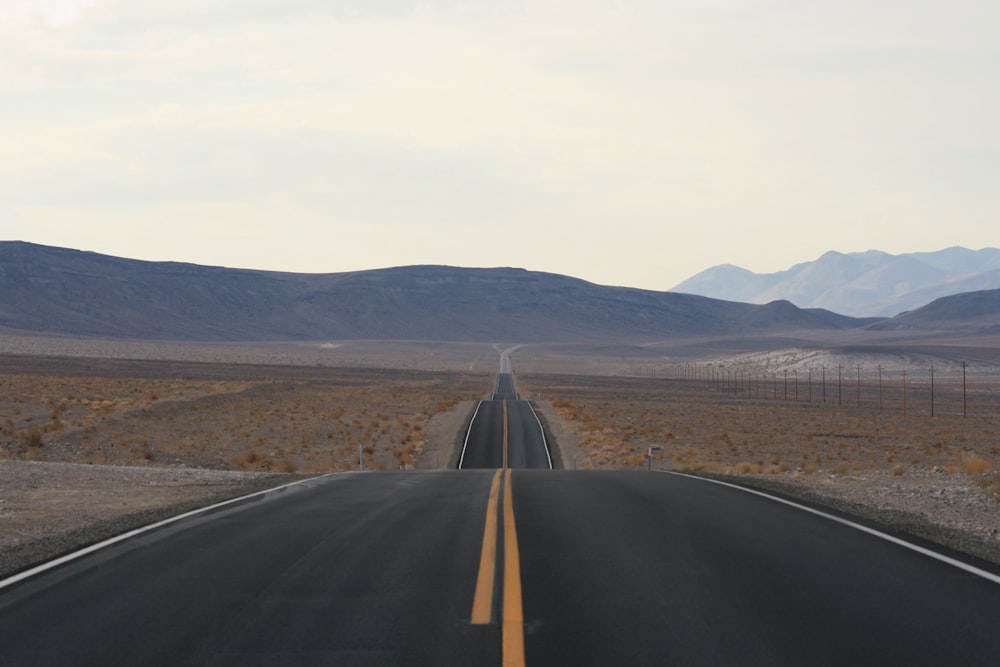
[(629, 142)]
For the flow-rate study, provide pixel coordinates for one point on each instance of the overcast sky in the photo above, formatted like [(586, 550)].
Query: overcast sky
[(627, 142)]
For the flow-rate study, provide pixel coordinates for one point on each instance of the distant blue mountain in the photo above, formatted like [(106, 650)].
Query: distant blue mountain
[(865, 284)]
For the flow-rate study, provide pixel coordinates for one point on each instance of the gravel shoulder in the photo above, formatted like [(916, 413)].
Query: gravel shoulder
[(950, 510), (49, 509)]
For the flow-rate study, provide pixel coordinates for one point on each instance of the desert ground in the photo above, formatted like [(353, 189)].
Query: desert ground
[(97, 436)]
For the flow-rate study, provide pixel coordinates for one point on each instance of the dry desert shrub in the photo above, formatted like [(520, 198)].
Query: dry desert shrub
[(614, 419), (252, 421), (32, 438), (975, 465)]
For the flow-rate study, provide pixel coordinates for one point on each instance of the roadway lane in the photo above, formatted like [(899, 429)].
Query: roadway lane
[(484, 440), (352, 569), (505, 388), (526, 446), (634, 568), (580, 568), (505, 432)]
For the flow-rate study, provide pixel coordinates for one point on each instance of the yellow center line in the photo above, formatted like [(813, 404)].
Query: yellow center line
[(505, 434), (482, 602), (512, 621), (512, 630)]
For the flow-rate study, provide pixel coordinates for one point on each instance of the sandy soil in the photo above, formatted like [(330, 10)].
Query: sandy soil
[(291, 419), (47, 509)]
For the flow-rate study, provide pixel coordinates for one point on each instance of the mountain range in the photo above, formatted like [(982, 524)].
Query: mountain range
[(71, 292), (867, 284), (53, 290), (976, 311)]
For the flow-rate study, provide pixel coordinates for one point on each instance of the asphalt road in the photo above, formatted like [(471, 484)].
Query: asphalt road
[(567, 568), (352, 569), (505, 390), (505, 433), (654, 569), (484, 442)]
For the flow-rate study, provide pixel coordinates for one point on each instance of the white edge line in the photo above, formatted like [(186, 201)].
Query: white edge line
[(461, 459), (545, 442), (66, 558), (972, 569)]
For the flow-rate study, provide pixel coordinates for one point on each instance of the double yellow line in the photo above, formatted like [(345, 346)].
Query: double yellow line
[(512, 622), (505, 435)]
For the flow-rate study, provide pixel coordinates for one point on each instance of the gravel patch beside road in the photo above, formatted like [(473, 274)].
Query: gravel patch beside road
[(947, 509), (48, 509)]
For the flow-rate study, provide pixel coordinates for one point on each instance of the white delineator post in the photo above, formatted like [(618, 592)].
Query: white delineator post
[(649, 456)]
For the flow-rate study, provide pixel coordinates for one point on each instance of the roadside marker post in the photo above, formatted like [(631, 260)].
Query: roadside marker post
[(649, 456)]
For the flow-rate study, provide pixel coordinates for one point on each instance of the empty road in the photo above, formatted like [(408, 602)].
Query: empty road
[(612, 568), (505, 433)]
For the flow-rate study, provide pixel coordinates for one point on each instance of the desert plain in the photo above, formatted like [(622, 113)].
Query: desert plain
[(97, 436)]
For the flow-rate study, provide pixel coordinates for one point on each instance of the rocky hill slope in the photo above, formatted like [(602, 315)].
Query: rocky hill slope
[(978, 311), (57, 290)]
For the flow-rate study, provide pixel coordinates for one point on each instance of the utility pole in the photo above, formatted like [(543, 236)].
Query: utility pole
[(840, 384)]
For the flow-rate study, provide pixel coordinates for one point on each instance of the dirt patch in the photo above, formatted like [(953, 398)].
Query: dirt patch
[(229, 416), (445, 435), (693, 427)]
